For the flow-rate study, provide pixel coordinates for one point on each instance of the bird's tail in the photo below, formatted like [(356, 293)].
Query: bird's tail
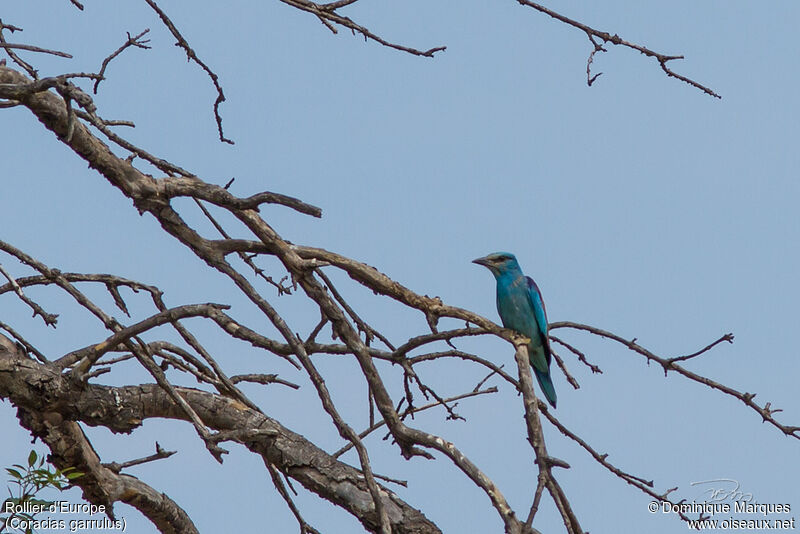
[(547, 386)]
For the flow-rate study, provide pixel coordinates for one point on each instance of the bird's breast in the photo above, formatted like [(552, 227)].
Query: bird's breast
[(514, 307)]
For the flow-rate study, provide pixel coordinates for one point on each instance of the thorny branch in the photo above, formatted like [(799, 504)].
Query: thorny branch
[(668, 364), (615, 39), (645, 486)]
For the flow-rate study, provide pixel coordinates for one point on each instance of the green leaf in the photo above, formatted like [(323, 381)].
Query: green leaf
[(32, 458), (14, 473), (73, 475)]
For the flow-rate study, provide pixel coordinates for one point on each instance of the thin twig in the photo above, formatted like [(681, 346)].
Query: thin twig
[(727, 337), (362, 325), (258, 271), (22, 341), (14, 57), (563, 367), (305, 528), (85, 116), (160, 454), (193, 57), (155, 371), (263, 379), (50, 319), (642, 484), (328, 14), (747, 398), (487, 377), (89, 355), (332, 6), (31, 48), (615, 39), (381, 423), (597, 48), (132, 41), (581, 356)]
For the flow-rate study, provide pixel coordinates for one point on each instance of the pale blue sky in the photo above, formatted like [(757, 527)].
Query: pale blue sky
[(640, 205)]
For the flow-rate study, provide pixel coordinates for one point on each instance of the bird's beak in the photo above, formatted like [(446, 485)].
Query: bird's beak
[(481, 261)]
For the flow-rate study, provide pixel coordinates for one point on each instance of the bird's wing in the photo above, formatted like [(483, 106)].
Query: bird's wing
[(540, 314), (538, 306)]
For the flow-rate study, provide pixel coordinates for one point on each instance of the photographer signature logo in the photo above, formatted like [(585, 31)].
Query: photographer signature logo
[(723, 489)]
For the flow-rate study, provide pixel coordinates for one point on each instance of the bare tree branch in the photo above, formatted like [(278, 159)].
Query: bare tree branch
[(50, 319), (190, 53), (123, 408), (615, 39), (160, 454), (10, 51), (32, 48), (132, 41), (669, 365)]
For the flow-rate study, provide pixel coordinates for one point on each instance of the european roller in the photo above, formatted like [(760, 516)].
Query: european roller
[(521, 309)]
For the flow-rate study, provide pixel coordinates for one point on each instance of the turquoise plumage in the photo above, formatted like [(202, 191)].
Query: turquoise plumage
[(520, 305)]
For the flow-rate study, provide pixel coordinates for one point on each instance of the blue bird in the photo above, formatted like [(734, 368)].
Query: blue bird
[(521, 309)]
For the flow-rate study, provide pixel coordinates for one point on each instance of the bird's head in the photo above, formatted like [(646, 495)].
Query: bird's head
[(499, 263)]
